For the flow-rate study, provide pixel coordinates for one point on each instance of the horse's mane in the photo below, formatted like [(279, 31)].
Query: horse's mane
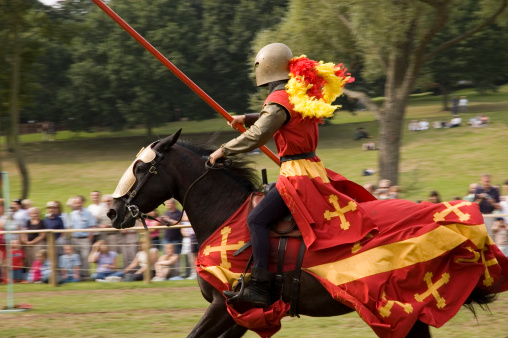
[(241, 169)]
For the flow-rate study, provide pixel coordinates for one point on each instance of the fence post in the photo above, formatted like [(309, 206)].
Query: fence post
[(148, 245), (52, 258)]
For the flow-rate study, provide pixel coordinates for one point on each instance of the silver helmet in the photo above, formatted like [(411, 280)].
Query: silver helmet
[(272, 63)]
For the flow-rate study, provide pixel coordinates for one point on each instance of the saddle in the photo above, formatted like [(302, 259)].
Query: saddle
[(283, 230)]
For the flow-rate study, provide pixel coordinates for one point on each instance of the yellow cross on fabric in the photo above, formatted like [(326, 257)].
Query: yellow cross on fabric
[(224, 248), (385, 311), (433, 287), (440, 216), (344, 224), (488, 281)]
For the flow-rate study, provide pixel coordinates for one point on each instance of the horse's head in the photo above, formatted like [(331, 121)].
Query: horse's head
[(142, 187)]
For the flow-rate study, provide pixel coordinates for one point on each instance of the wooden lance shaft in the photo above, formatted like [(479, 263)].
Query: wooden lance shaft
[(178, 73)]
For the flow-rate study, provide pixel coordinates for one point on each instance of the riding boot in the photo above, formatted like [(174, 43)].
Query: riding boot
[(257, 293)]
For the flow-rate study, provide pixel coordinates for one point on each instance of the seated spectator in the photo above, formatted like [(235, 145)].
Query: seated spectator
[(484, 120), (423, 125), (106, 261), (167, 266), (35, 273), (381, 192), (434, 197), (413, 125), (69, 263), (369, 146), (369, 187), (361, 133), (500, 231), (18, 258), (475, 122), (368, 172), (455, 122), (438, 124), (135, 270), (393, 192), (45, 268)]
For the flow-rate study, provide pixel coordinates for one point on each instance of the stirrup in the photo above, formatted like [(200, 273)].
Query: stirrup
[(234, 296)]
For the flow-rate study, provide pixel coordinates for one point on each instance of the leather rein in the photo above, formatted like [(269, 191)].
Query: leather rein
[(134, 209)]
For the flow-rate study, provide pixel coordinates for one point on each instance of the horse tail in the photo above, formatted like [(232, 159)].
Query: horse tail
[(480, 297)]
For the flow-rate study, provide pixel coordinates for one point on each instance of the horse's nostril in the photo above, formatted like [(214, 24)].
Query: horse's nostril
[(111, 214)]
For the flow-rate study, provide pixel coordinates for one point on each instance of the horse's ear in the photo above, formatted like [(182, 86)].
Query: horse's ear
[(168, 142)]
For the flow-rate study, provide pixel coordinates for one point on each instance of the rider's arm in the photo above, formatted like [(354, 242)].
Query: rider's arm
[(271, 118)]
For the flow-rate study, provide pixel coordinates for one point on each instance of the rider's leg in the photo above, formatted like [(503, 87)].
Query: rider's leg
[(270, 209)]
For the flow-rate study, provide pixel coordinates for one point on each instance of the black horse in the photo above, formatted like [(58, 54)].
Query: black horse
[(181, 173)]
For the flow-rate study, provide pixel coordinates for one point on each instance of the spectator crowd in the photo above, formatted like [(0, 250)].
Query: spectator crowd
[(123, 255), (103, 256)]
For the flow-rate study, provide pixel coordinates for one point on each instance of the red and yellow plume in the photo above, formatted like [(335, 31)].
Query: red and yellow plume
[(313, 86)]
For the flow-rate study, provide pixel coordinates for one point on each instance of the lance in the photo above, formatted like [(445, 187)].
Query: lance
[(177, 72)]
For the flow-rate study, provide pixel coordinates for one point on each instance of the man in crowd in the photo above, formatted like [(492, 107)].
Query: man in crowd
[(82, 219)]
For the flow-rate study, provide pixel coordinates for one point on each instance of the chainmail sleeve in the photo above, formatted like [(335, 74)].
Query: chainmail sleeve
[(271, 118)]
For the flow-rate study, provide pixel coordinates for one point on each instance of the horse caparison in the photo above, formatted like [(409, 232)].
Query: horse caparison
[(210, 202)]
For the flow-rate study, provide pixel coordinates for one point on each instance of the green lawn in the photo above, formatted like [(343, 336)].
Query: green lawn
[(171, 309)]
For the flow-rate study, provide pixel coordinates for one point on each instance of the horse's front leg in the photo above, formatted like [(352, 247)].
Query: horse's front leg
[(217, 322)]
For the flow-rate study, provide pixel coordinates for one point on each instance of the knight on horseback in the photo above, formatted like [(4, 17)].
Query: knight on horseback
[(294, 128)]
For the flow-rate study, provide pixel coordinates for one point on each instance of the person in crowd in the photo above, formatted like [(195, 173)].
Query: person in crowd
[(361, 133), (154, 233), (455, 105), (471, 192), (484, 120), (105, 260), (463, 105), (173, 235), (381, 193), (97, 210), (393, 192), (370, 187), (423, 125), (500, 231), (35, 273), (167, 266), (34, 241), (63, 215), (128, 243), (69, 264), (487, 196), (18, 257), (136, 269), (189, 249), (55, 222), (3, 219), (82, 219), (110, 237), (434, 197), (46, 267), (413, 125), (455, 122), (19, 216)]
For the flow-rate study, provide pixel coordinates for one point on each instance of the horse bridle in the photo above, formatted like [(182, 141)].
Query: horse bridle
[(134, 209)]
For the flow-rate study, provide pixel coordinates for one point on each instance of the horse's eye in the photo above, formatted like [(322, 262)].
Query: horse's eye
[(140, 170)]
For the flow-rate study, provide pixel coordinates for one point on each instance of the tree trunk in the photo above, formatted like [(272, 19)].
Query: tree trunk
[(14, 112)]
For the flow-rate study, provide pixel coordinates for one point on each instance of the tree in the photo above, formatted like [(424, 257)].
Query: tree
[(20, 46), (393, 38)]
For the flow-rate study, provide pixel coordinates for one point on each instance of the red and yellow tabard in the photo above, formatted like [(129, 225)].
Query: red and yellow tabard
[(318, 199), (421, 264)]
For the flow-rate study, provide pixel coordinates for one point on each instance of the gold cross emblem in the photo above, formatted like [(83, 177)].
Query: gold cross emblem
[(440, 216), (385, 311), (433, 287), (344, 224), (224, 248), (488, 278)]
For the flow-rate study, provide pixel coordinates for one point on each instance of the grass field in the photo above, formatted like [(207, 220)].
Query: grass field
[(446, 160), (171, 309)]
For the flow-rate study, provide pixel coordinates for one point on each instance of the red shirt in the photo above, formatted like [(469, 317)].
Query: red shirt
[(18, 255)]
